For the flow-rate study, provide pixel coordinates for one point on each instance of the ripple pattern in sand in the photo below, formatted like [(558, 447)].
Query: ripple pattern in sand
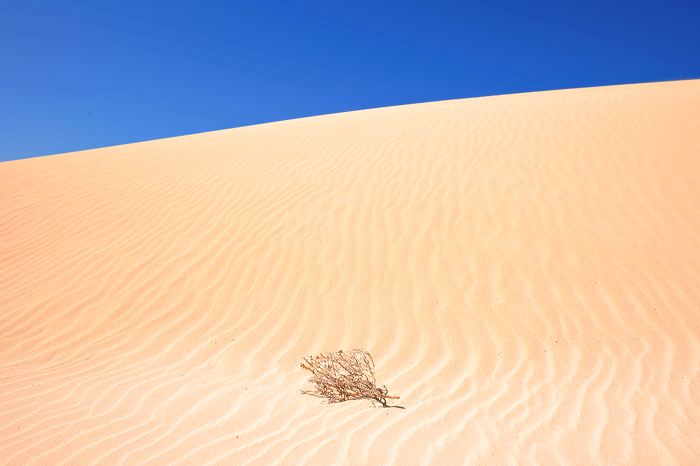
[(524, 269)]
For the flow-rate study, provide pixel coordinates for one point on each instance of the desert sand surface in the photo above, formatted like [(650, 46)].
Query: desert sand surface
[(523, 268)]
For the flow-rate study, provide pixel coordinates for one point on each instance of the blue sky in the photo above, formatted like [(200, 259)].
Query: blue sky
[(83, 74)]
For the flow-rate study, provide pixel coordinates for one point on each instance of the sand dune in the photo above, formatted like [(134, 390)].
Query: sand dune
[(523, 268)]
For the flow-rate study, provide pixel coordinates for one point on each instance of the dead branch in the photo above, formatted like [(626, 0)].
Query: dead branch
[(343, 376)]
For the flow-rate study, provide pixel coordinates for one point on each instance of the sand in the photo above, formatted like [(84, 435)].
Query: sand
[(523, 268)]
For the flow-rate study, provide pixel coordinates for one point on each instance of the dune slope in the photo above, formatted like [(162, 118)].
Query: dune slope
[(524, 269)]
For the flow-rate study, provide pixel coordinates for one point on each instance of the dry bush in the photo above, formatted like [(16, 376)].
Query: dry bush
[(343, 376)]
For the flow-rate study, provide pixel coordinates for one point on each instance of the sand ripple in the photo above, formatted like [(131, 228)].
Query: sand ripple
[(524, 269)]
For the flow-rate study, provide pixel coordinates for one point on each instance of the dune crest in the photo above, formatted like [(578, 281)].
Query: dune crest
[(523, 268)]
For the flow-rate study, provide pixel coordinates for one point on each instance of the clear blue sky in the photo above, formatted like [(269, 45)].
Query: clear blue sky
[(83, 74)]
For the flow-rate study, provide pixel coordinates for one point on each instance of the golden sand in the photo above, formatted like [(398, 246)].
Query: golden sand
[(524, 269)]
